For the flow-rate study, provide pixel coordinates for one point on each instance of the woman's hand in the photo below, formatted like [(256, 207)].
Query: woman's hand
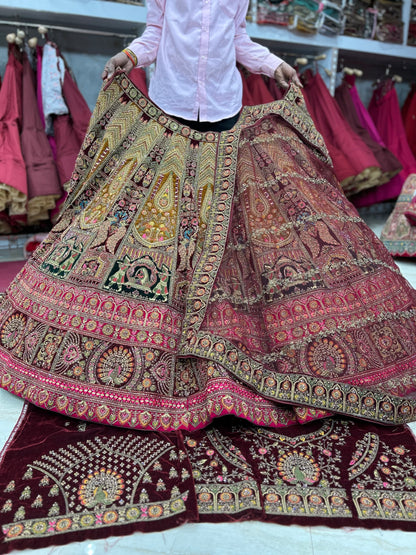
[(119, 61), (284, 74)]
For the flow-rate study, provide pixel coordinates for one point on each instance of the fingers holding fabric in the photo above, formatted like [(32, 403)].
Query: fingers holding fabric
[(285, 74), (120, 61)]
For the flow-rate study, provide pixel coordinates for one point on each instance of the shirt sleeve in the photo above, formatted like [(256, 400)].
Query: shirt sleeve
[(253, 56), (146, 46)]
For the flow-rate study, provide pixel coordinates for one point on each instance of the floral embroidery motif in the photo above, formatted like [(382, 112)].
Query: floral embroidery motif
[(89, 477)]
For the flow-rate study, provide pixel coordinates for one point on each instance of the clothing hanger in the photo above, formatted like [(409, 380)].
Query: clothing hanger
[(316, 66), (43, 31), (11, 37), (387, 78), (352, 71)]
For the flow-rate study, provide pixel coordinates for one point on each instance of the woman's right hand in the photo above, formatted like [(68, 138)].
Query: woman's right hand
[(119, 61)]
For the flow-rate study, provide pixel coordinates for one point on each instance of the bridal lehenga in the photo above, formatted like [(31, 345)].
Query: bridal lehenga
[(194, 275)]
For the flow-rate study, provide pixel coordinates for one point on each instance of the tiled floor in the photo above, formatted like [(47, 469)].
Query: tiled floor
[(246, 538)]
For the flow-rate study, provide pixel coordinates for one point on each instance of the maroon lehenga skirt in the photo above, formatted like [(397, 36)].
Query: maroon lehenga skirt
[(193, 275)]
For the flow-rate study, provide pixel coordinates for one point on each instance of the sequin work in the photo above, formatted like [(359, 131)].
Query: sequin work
[(194, 275)]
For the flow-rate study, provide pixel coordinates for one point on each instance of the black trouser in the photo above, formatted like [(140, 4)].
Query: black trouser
[(205, 126)]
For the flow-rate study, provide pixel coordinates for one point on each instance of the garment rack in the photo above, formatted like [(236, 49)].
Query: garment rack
[(69, 29)]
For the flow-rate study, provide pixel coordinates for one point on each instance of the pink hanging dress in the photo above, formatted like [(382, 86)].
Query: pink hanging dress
[(13, 178), (388, 162), (409, 118), (384, 109), (354, 163)]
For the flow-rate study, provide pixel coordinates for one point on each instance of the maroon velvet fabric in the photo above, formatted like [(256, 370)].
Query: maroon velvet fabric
[(64, 480), (139, 482)]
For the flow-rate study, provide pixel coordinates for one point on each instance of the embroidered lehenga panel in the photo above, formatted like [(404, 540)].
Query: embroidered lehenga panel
[(194, 275)]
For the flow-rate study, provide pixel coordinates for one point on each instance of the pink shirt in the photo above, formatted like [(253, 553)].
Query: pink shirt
[(196, 44)]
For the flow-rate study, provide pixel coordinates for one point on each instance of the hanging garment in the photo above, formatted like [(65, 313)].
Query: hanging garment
[(69, 131), (13, 179), (408, 101), (247, 98), (354, 163), (77, 106), (392, 188), (409, 118), (42, 177), (194, 275), (52, 78), (67, 146), (39, 55), (384, 110), (389, 164), (69, 124), (258, 90), (276, 92)]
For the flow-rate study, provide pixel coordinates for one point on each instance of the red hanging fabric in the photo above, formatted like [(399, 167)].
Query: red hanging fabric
[(42, 176), (389, 164), (390, 189), (385, 111), (13, 179), (70, 129), (138, 76), (276, 92), (354, 163), (67, 146), (78, 108), (409, 118), (257, 87), (247, 99)]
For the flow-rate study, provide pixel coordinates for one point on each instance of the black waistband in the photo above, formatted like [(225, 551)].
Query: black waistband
[(205, 126)]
